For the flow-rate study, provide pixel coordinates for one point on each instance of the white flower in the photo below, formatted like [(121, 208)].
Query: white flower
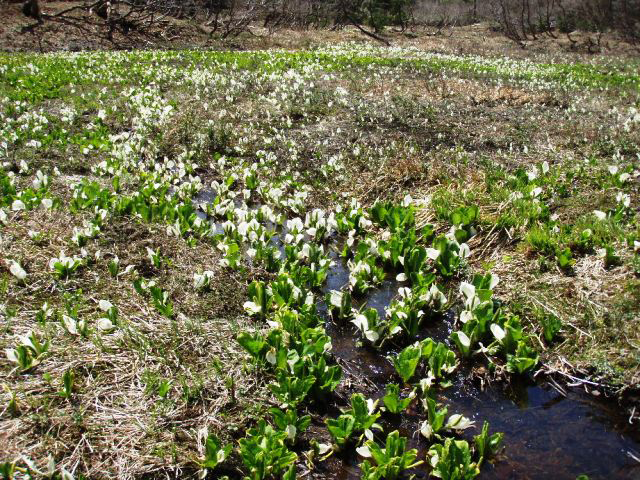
[(545, 167), (371, 405), (70, 324), (295, 225), (364, 451), (515, 196), (371, 335), (624, 199), (436, 296), (105, 305), (17, 271), (401, 277), (426, 430), (600, 215), (361, 322), (202, 280), (427, 383), (613, 169), (433, 253), (18, 205), (105, 324), (46, 309), (468, 290), (404, 292), (364, 222), (463, 339), (11, 355), (497, 331), (41, 180), (323, 448), (335, 298), (395, 330), (66, 475), (407, 200), (624, 177), (252, 308), (465, 316), (458, 422), (64, 260), (271, 356)]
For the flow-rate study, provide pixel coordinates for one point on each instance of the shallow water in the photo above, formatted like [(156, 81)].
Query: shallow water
[(547, 435)]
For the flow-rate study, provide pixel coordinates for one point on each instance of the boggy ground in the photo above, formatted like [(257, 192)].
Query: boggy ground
[(548, 149)]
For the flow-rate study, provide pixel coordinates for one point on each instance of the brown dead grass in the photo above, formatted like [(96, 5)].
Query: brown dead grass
[(115, 423)]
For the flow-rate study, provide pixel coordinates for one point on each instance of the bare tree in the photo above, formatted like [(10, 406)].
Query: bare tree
[(523, 20), (31, 8)]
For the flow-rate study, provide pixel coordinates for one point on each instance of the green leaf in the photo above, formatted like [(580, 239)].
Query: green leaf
[(215, 452), (393, 401), (452, 461), (463, 342), (523, 360), (435, 418), (291, 390), (291, 473), (551, 326), (487, 445), (67, 384), (341, 429), (252, 343), (390, 461), (407, 361), (565, 258)]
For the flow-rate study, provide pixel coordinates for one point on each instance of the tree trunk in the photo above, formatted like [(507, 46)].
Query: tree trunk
[(32, 9)]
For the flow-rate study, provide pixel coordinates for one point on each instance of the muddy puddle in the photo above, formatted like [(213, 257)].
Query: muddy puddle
[(547, 435)]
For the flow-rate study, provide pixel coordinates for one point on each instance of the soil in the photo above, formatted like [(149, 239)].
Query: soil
[(19, 33)]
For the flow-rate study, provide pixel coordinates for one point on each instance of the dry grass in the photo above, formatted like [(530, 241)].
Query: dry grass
[(116, 423)]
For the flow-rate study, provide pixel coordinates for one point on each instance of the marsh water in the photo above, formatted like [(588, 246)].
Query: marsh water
[(548, 434)]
